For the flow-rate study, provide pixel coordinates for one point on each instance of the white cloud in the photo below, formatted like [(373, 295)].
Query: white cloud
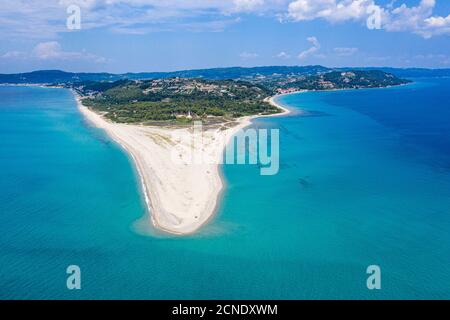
[(345, 52), (38, 19), (247, 5), (49, 50), (331, 10), (13, 55), (52, 50), (283, 55), (417, 19), (46, 19), (313, 49), (248, 55), (437, 22), (435, 26), (404, 18)]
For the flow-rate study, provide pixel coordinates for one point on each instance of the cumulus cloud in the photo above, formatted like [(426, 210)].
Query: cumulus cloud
[(331, 10), (40, 19), (313, 49), (46, 19), (404, 18), (418, 19), (435, 26), (52, 50)]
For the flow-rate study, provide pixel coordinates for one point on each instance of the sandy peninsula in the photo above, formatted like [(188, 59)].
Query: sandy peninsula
[(273, 101), (181, 197)]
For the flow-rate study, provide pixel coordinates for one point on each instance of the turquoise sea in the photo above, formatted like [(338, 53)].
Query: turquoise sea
[(364, 180)]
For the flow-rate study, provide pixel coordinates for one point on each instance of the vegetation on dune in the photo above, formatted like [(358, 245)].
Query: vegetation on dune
[(185, 99), (175, 99)]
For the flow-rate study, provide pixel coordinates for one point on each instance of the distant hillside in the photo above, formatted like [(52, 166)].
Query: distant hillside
[(236, 72), (62, 77), (57, 76), (352, 79), (413, 72)]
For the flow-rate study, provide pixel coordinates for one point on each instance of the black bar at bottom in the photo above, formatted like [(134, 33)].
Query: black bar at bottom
[(226, 309)]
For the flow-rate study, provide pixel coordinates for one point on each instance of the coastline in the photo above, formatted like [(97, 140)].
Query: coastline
[(190, 195), (286, 111), (153, 166), (209, 192), (273, 102)]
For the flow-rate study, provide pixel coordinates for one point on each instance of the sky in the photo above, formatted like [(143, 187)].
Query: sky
[(165, 35)]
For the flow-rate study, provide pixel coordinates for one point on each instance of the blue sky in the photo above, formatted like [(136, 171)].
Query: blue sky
[(154, 35)]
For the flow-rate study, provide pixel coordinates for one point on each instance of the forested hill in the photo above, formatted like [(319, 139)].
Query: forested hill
[(175, 99), (183, 99), (353, 79), (182, 96), (62, 77)]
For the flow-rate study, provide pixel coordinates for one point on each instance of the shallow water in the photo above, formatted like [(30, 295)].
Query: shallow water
[(364, 180)]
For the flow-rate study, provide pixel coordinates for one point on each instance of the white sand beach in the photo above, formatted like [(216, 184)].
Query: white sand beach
[(272, 101), (181, 197)]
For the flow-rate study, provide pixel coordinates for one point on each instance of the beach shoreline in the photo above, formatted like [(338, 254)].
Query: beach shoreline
[(189, 196)]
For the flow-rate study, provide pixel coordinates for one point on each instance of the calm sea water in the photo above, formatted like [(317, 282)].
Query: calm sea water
[(364, 179)]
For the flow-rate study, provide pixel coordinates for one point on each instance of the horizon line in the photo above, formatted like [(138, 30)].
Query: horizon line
[(237, 67)]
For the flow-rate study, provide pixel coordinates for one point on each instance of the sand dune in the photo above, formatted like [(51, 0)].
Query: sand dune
[(181, 195)]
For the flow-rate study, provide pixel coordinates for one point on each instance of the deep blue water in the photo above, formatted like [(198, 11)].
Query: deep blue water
[(364, 179)]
